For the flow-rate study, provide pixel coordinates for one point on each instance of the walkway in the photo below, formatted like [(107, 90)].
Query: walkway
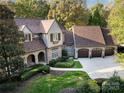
[(66, 69)]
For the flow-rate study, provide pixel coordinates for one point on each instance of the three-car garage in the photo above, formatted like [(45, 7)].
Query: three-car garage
[(96, 52)]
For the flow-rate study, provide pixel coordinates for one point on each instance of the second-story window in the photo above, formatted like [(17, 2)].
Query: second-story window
[(27, 37), (55, 37), (59, 36)]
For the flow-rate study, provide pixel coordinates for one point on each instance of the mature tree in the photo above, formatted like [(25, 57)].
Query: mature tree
[(69, 12), (11, 43), (31, 8), (116, 23), (98, 16)]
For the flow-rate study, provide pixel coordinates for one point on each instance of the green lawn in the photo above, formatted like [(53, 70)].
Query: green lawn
[(53, 84)]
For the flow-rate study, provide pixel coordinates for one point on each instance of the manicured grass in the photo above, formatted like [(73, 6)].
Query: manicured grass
[(53, 84)]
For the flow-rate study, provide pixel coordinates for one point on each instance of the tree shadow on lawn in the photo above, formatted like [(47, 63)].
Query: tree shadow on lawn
[(21, 85)]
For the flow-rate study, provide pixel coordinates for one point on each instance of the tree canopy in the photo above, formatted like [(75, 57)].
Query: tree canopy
[(69, 12), (116, 21), (98, 16), (11, 43), (30, 8)]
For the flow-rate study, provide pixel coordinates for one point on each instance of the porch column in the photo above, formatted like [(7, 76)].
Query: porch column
[(25, 60), (45, 58), (90, 52), (36, 58), (103, 52), (76, 53), (115, 50)]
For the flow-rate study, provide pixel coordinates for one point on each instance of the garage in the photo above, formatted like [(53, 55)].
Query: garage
[(83, 53), (97, 52), (109, 51)]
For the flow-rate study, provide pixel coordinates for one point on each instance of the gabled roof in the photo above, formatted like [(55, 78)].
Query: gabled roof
[(88, 36), (47, 24), (36, 25), (109, 39)]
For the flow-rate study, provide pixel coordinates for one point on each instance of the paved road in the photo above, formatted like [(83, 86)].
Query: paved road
[(101, 67)]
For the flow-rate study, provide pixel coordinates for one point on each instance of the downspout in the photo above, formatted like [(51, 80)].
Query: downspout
[(75, 55)]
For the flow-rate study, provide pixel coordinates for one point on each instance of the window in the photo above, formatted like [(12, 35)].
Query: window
[(59, 36), (55, 37), (51, 37), (54, 53), (27, 37)]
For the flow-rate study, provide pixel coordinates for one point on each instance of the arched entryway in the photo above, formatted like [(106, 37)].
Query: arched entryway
[(83, 53), (41, 57), (109, 51), (97, 52), (31, 59)]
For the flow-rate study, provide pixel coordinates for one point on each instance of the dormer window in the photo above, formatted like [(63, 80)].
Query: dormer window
[(55, 37), (27, 37)]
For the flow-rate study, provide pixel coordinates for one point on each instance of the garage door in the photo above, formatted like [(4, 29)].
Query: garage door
[(109, 51), (96, 52), (82, 53)]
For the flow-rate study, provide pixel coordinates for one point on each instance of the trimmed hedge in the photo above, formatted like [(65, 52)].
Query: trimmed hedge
[(68, 64), (33, 70)]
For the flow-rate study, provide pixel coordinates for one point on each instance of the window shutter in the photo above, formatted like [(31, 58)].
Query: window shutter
[(51, 37), (59, 36), (29, 37)]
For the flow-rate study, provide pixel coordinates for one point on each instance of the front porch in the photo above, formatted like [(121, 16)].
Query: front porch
[(33, 58)]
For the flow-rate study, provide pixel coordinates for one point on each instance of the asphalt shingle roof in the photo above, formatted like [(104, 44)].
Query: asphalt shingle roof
[(88, 36), (34, 45)]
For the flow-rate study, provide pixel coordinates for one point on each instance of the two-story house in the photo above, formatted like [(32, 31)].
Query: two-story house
[(43, 40)]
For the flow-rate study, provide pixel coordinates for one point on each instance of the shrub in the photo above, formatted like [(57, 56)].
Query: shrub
[(53, 62), (29, 72), (89, 86), (69, 64), (64, 58), (9, 86), (114, 85), (100, 81), (64, 53)]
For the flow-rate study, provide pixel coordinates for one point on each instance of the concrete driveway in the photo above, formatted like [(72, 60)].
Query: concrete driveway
[(101, 67)]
